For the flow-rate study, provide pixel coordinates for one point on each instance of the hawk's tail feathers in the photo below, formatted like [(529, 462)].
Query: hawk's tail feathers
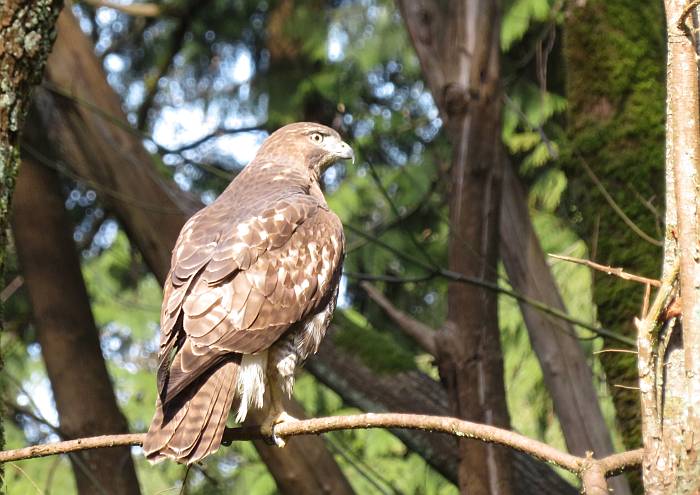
[(190, 426)]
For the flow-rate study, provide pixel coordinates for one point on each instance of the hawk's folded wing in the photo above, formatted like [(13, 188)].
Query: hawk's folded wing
[(239, 290)]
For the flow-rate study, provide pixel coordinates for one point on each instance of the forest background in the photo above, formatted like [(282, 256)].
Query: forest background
[(148, 110)]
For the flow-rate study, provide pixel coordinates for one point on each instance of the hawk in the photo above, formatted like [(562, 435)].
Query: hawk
[(251, 290)]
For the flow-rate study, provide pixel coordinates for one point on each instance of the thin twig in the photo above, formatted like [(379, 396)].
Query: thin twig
[(645, 301), (390, 279), (133, 9), (684, 15), (626, 351), (221, 131), (626, 387), (380, 228), (397, 214), (31, 481), (613, 204), (11, 288), (176, 44), (123, 198), (618, 272), (551, 147)]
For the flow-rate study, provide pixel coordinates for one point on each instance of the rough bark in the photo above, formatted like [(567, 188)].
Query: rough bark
[(66, 331), (457, 45), (683, 154), (26, 36), (671, 389), (94, 143), (415, 392)]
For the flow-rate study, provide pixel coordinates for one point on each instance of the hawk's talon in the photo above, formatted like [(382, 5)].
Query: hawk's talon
[(268, 428), (279, 441)]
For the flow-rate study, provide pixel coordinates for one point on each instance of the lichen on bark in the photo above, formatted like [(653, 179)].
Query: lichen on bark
[(615, 86), (26, 36)]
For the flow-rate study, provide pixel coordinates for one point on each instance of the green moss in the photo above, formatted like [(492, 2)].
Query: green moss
[(615, 52), (377, 350)]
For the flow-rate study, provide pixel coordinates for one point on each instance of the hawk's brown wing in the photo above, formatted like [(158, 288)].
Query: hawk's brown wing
[(239, 290)]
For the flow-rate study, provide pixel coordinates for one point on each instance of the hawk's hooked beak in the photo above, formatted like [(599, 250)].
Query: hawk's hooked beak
[(342, 150)]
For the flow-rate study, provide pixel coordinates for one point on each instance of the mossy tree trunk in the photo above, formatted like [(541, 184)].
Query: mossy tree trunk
[(26, 37), (614, 52)]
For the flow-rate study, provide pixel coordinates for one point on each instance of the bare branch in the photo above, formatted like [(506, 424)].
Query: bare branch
[(618, 272), (221, 131), (11, 288), (133, 9), (609, 465), (613, 204), (684, 15), (592, 471), (176, 44), (68, 446), (624, 461), (418, 331), (593, 477)]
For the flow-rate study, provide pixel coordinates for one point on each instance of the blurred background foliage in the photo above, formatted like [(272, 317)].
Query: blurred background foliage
[(212, 67)]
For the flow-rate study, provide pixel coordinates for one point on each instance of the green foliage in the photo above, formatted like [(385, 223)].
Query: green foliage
[(518, 17)]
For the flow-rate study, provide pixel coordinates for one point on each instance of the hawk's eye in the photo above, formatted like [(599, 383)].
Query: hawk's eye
[(316, 137)]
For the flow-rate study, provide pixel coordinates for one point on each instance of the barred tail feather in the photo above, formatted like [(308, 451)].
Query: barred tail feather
[(190, 426)]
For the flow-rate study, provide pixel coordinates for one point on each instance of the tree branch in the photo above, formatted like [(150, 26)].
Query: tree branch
[(610, 270), (613, 204), (418, 331), (221, 131), (134, 9), (610, 465), (176, 44), (681, 24)]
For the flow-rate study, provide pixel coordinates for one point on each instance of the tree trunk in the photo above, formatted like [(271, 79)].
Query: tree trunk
[(459, 52), (96, 146), (26, 36), (670, 373), (67, 333), (103, 153), (565, 369)]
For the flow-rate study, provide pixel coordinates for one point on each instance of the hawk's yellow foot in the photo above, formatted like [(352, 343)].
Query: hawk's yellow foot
[(273, 419)]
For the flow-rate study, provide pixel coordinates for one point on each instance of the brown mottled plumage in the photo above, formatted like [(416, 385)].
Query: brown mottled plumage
[(252, 286)]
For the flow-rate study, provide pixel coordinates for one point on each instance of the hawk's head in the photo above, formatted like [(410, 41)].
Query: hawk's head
[(313, 145)]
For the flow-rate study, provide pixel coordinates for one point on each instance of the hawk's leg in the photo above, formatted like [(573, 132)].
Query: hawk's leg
[(280, 381)]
